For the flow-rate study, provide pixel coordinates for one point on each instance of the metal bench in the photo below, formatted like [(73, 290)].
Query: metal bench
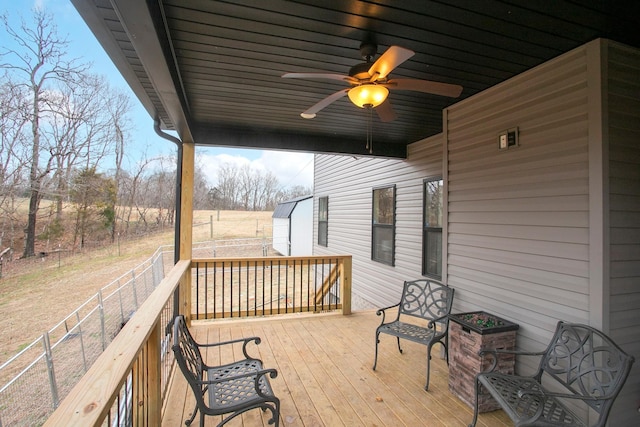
[(426, 300), (581, 367), (229, 389)]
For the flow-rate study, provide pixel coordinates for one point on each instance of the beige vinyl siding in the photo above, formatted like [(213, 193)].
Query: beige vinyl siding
[(518, 219), (348, 182), (624, 216)]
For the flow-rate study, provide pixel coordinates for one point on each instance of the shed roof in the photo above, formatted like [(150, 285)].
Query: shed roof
[(285, 209)]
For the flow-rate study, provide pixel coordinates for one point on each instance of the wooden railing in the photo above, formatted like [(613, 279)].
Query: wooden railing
[(240, 287), (128, 383)]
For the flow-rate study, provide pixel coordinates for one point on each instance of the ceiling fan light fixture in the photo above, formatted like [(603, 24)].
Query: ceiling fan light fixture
[(368, 95)]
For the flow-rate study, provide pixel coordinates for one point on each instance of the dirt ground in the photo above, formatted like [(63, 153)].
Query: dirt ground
[(38, 294)]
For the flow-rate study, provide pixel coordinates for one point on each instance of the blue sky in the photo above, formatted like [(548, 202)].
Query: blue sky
[(290, 168)]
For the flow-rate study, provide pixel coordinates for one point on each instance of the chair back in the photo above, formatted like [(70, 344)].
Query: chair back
[(587, 363), (187, 355), (426, 299)]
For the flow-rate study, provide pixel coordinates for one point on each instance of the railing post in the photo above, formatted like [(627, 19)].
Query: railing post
[(345, 284), (133, 286), (84, 356), (103, 327), (52, 376), (184, 295), (153, 378)]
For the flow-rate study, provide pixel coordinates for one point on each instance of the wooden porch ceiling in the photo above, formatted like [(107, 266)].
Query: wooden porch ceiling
[(211, 70), (325, 376)]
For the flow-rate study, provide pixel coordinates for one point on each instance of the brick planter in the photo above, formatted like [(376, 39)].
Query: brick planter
[(468, 334)]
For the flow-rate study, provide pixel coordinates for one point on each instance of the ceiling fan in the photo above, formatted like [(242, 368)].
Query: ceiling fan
[(370, 85)]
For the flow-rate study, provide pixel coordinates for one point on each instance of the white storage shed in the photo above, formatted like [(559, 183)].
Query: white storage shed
[(293, 227)]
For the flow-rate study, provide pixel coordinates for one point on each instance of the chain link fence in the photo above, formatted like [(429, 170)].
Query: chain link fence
[(45, 371)]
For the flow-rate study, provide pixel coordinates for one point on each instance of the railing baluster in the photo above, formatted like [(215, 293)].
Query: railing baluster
[(308, 283), (271, 287), (231, 282), (197, 290), (293, 287), (206, 289), (247, 287), (279, 275), (332, 275), (215, 289), (224, 301), (286, 286), (255, 288)]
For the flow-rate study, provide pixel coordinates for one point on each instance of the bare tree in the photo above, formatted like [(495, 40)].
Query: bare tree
[(39, 63), (14, 120), (228, 185), (200, 188)]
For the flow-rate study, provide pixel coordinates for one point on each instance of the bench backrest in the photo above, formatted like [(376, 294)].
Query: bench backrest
[(588, 363), (187, 354), (426, 299)]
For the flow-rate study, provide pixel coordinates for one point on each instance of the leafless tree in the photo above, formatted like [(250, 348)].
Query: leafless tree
[(200, 188), (14, 120), (228, 186), (39, 64)]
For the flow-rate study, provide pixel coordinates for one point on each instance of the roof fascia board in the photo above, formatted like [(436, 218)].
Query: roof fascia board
[(266, 139), (91, 16), (142, 30)]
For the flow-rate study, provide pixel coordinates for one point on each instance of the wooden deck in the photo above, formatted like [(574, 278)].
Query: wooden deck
[(325, 376)]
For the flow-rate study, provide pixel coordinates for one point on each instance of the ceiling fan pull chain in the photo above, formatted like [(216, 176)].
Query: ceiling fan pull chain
[(370, 130)]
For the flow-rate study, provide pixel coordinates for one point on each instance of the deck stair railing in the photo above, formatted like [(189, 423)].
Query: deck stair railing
[(327, 290)]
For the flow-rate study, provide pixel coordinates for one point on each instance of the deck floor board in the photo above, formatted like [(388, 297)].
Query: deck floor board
[(325, 377)]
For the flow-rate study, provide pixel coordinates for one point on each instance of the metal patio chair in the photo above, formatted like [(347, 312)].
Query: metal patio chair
[(227, 390), (584, 368), (425, 300)]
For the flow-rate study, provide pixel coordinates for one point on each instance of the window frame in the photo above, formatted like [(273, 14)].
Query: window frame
[(323, 231), (429, 230), (376, 228)]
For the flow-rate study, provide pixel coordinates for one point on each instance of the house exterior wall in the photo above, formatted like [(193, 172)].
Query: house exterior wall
[(348, 183), (302, 228), (518, 219), (623, 126), (544, 231)]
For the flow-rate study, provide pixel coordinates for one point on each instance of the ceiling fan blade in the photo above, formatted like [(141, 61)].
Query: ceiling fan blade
[(386, 112), (329, 76), (389, 60), (310, 113), (426, 86)]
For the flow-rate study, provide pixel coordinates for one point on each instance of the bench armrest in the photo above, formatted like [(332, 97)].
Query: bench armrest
[(495, 355), (382, 311)]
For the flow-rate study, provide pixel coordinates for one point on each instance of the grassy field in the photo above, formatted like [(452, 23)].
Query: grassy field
[(39, 294)]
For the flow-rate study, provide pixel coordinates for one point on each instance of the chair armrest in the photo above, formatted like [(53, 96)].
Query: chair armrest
[(494, 353), (545, 393), (244, 342), (382, 311), (432, 322)]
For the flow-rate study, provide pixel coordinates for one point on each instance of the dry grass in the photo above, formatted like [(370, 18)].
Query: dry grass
[(36, 297)]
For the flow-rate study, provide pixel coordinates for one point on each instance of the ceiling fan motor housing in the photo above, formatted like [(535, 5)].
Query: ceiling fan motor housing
[(360, 71)]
